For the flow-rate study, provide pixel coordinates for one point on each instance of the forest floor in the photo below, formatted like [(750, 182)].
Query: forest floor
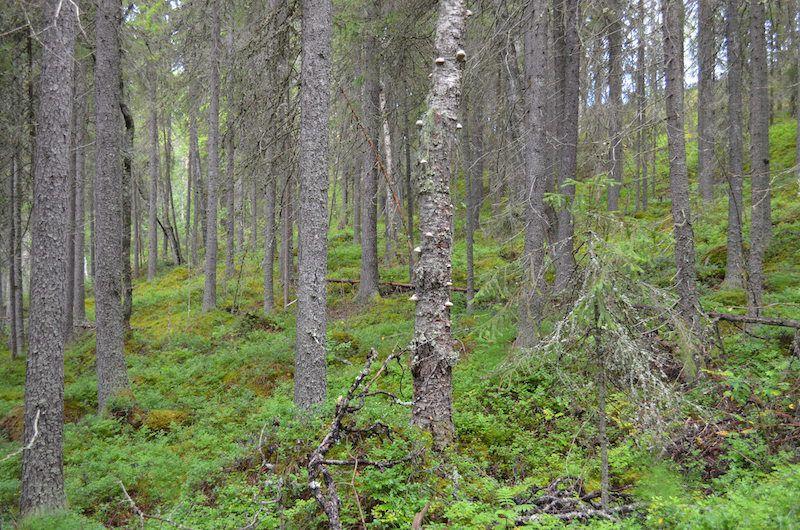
[(209, 437)]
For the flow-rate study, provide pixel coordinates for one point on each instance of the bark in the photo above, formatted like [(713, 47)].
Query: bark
[(187, 213), (126, 184), (168, 209), (230, 219), (112, 375), (641, 112), (568, 166), (409, 182), (210, 288), (69, 263), (15, 269), (434, 358), (42, 464), (269, 239), (310, 370), (253, 213), (286, 259), (137, 238), (152, 230), (368, 288), (278, 14), (615, 37), (392, 202), (734, 268), (760, 227), (537, 173), (79, 298), (706, 52), (467, 167), (688, 304), (230, 176), (194, 160)]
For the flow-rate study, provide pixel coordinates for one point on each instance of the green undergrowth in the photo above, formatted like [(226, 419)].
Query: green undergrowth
[(209, 436)]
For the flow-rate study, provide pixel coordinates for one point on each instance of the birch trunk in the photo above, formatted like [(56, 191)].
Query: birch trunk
[(433, 355)]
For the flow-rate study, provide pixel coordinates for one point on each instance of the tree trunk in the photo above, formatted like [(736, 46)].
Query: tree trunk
[(230, 219), (535, 150), (568, 166), (194, 159), (760, 228), (706, 60), (170, 222), (79, 298), (69, 263), (152, 219), (286, 260), (615, 37), (409, 181), (42, 467), (641, 116), (434, 358), (734, 268), (112, 374), (253, 213), (368, 287), (15, 269), (126, 187), (688, 304), (210, 288), (269, 237), (312, 243), (392, 208)]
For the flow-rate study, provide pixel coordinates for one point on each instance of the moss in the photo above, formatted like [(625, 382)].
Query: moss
[(164, 419)]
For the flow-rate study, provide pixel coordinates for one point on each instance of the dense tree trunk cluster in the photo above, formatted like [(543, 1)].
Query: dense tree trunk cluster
[(555, 113)]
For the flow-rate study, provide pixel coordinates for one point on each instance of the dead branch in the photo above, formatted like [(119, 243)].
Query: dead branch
[(346, 405), (764, 321), (397, 286)]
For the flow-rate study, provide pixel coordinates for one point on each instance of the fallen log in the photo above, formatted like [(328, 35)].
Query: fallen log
[(397, 286), (765, 321)]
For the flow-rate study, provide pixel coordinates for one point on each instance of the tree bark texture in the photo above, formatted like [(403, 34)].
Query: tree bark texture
[(688, 305), (615, 58), (368, 287), (310, 369), (42, 458), (706, 60), (210, 287), (112, 374), (735, 263), (154, 165), (537, 173), (433, 357), (761, 224)]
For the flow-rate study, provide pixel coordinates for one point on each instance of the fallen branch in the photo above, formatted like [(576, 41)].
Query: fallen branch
[(582, 515), (565, 499), (764, 321), (397, 286), (351, 402)]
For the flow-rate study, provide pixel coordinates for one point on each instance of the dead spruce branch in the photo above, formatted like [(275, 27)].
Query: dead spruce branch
[(320, 480)]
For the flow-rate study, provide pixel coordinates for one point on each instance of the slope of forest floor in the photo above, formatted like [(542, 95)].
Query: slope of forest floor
[(209, 437)]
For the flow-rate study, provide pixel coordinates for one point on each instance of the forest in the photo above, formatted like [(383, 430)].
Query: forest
[(369, 264)]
